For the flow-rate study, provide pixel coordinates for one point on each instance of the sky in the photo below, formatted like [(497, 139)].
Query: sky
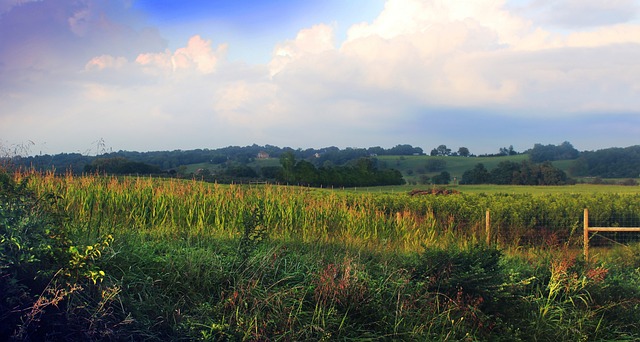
[(152, 75)]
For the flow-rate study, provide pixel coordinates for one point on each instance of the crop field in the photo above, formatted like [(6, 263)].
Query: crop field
[(166, 259), (586, 189)]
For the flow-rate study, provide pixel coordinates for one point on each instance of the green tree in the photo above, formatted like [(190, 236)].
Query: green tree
[(464, 152), (443, 178), (288, 162), (504, 173), (540, 153), (305, 173), (477, 175), (443, 150)]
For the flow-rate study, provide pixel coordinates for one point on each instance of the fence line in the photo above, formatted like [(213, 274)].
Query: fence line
[(588, 229)]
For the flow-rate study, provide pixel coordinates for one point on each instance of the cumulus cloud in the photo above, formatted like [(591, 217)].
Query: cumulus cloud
[(456, 53), (310, 41), (198, 55)]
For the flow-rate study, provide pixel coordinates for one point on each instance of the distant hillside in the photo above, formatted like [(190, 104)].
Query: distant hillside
[(413, 167), (411, 161)]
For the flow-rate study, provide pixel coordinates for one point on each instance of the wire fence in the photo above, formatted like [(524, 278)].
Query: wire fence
[(613, 231)]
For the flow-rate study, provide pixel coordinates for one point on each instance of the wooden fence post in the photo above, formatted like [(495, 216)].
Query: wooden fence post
[(488, 227), (586, 234)]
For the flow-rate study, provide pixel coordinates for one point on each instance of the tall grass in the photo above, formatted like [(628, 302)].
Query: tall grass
[(197, 211), (240, 262), (192, 210)]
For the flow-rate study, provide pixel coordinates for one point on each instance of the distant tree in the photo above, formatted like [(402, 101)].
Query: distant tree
[(525, 173), (120, 166), (540, 153), (288, 162), (271, 172), (434, 152), (443, 178), (240, 171), (551, 175), (218, 159), (614, 162), (443, 150), (507, 151), (463, 152), (579, 167), (404, 150), (477, 175), (305, 173), (377, 150), (504, 173)]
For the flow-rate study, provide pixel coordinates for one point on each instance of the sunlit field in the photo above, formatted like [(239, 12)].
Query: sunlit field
[(168, 259), (586, 189)]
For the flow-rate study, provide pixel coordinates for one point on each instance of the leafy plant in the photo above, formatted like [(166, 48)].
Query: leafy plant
[(50, 287)]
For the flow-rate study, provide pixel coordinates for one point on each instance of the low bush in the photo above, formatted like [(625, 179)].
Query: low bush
[(51, 289)]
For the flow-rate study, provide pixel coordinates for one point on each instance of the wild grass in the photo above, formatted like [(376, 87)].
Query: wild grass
[(198, 261)]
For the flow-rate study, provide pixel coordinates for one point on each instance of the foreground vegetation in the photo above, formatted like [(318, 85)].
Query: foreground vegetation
[(97, 258)]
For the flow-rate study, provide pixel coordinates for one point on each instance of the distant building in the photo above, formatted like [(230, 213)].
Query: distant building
[(263, 155)]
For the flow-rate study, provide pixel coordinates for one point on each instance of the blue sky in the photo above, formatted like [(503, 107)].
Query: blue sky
[(253, 26), (164, 75)]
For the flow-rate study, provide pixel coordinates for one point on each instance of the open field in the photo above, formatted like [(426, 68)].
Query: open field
[(164, 259)]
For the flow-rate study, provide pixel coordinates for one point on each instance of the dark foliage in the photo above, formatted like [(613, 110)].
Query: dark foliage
[(165, 160), (50, 288), (609, 163), (362, 172), (443, 178), (512, 173), (541, 153), (120, 166), (477, 175)]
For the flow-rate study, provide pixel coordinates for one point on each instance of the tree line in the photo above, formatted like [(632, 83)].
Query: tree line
[(361, 172), (512, 173), (167, 160), (605, 163)]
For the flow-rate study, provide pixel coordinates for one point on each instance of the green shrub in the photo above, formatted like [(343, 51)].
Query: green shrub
[(51, 288)]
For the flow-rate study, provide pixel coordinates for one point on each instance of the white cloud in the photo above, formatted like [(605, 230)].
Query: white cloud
[(314, 40), (461, 54), (198, 56), (603, 36), (106, 62)]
